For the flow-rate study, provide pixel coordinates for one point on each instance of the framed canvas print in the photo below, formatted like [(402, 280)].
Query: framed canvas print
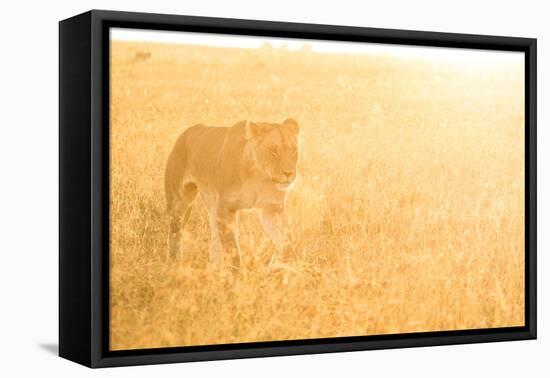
[(237, 188)]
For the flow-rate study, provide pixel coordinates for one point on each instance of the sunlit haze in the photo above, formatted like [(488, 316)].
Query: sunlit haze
[(224, 40)]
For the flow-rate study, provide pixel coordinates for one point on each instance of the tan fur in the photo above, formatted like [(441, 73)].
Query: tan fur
[(247, 165)]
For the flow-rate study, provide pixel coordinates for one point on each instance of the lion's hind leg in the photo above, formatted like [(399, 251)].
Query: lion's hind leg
[(179, 215)]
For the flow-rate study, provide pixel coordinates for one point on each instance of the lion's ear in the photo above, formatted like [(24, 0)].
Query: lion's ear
[(254, 130), (292, 125)]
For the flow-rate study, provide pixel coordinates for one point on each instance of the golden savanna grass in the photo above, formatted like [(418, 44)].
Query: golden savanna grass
[(408, 211)]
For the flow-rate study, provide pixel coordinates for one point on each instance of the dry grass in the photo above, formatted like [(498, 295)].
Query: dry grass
[(408, 210)]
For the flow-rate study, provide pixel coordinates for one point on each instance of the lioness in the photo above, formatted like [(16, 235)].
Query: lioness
[(247, 165)]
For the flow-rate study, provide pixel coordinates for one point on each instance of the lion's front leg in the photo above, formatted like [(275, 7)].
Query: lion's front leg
[(227, 231), (275, 224), (215, 242)]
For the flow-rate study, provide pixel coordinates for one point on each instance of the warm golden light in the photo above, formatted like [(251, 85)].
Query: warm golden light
[(407, 211)]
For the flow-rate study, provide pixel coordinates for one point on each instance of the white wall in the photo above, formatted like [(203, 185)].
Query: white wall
[(28, 155)]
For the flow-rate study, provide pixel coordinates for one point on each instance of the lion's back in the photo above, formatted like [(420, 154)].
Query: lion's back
[(209, 154)]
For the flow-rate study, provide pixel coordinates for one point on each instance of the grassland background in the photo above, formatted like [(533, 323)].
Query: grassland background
[(408, 209)]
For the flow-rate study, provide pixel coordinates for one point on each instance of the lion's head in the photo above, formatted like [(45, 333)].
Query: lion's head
[(275, 150)]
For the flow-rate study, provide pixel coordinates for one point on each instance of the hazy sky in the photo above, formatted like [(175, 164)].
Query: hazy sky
[(225, 40)]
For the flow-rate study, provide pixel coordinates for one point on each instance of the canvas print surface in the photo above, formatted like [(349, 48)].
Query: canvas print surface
[(267, 189)]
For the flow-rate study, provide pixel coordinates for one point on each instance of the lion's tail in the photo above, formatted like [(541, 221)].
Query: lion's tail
[(173, 176)]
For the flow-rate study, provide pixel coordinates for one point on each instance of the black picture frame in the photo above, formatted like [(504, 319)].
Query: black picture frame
[(84, 187)]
